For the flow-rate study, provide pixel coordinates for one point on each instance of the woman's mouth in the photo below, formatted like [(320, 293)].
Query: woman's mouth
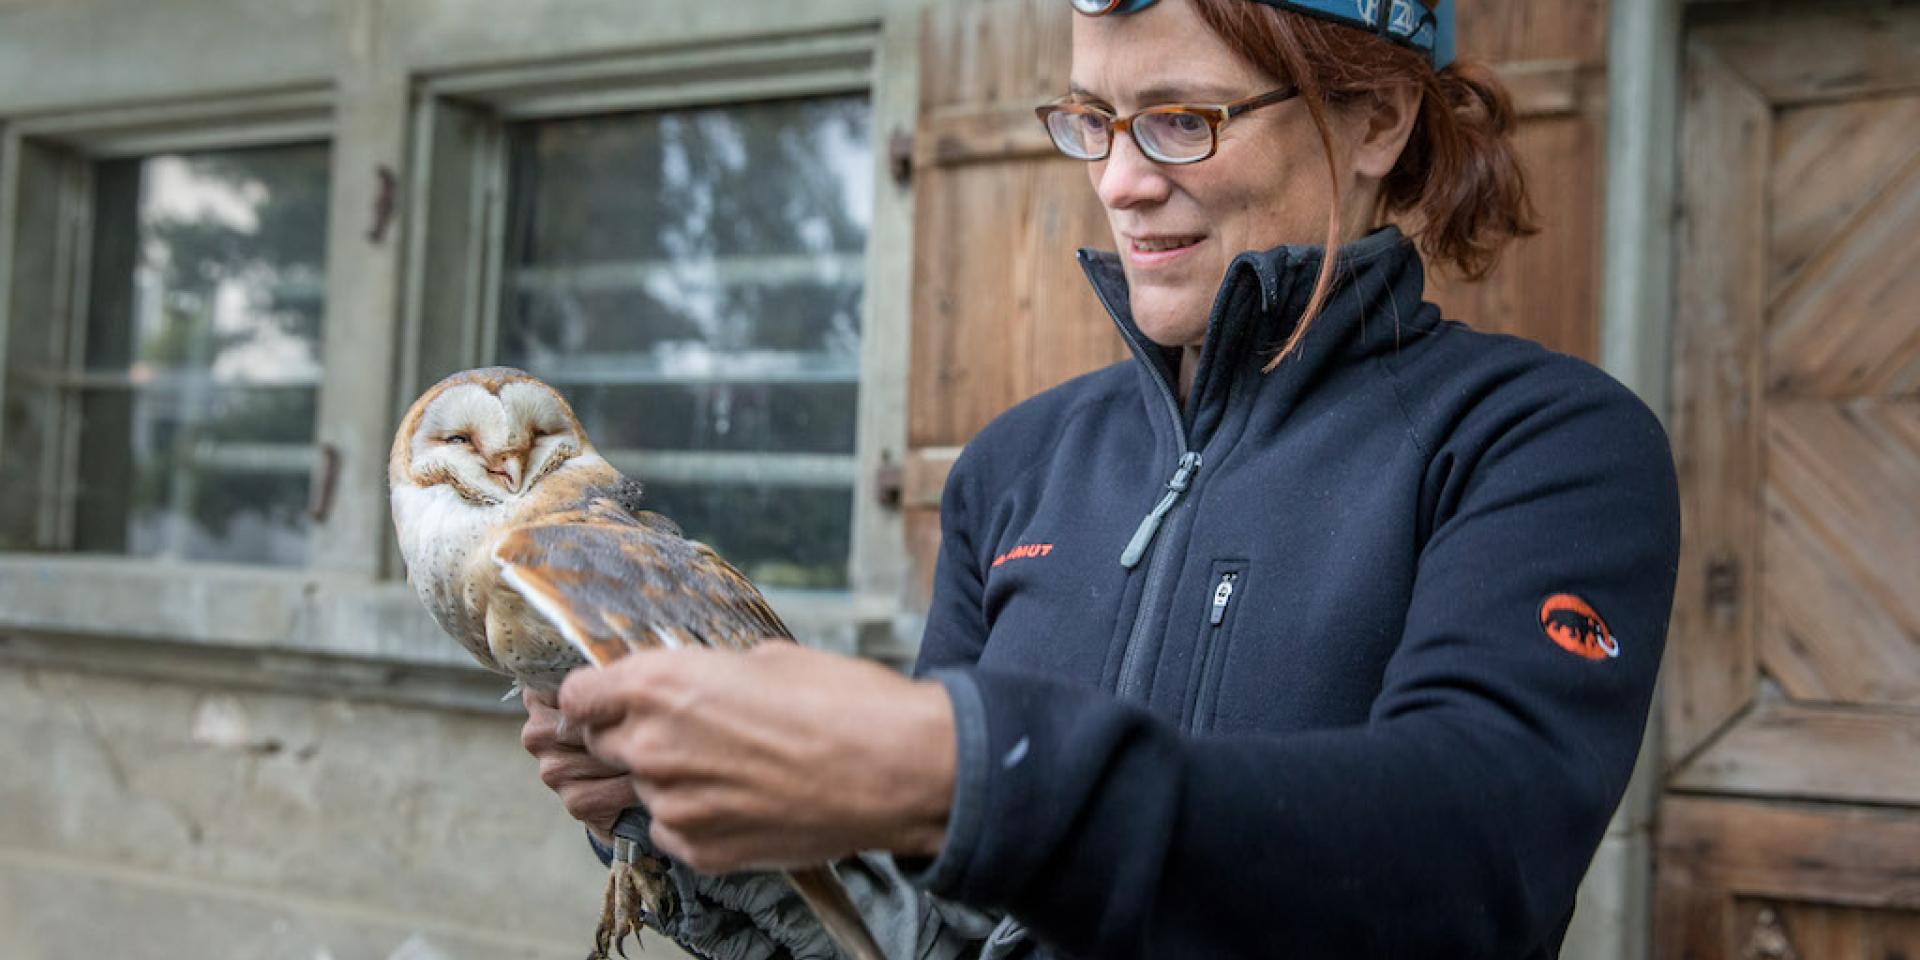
[(1156, 250)]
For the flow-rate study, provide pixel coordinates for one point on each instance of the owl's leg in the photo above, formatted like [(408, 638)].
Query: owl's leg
[(628, 901), (650, 886), (513, 692), (603, 935)]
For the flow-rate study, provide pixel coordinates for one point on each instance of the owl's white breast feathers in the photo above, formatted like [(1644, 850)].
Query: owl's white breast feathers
[(447, 540)]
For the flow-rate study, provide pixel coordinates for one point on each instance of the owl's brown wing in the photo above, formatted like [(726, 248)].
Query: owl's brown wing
[(615, 584)]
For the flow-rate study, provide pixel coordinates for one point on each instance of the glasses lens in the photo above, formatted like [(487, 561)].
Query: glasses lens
[(1080, 134), (1092, 8), (1173, 136)]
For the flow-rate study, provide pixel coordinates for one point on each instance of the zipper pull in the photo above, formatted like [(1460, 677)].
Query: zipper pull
[(1222, 595), (1182, 478)]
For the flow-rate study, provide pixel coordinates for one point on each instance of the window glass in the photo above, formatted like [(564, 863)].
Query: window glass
[(200, 361), (692, 281)]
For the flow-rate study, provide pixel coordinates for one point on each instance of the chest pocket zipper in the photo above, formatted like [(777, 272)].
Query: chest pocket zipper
[(1210, 650), (1222, 595)]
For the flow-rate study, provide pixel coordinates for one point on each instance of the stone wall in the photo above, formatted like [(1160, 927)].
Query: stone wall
[(171, 819)]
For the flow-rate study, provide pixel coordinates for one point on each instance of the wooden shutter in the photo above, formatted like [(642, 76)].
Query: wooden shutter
[(1791, 822), (1001, 310)]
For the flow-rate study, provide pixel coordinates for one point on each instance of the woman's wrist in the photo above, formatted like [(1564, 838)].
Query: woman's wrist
[(928, 772)]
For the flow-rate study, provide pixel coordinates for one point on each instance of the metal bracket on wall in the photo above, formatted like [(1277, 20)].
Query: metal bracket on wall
[(900, 157), (326, 477)]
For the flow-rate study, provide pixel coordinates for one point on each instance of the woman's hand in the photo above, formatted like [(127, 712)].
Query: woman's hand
[(593, 792), (778, 757)]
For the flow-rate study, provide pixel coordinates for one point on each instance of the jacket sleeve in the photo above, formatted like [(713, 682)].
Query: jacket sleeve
[(956, 622), (1457, 821)]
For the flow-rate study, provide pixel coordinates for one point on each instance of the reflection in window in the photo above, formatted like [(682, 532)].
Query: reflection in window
[(201, 359), (692, 281)]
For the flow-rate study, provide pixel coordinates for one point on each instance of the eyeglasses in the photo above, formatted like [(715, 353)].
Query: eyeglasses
[(1174, 133)]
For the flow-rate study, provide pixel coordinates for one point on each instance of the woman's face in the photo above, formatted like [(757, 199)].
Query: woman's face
[(1177, 227)]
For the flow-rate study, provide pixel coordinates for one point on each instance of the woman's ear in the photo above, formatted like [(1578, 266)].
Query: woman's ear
[(1388, 126)]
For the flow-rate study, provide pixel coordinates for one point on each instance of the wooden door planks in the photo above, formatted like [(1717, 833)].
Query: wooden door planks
[(1718, 382)]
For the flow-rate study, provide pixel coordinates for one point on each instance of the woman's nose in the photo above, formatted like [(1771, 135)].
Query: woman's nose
[(1127, 178)]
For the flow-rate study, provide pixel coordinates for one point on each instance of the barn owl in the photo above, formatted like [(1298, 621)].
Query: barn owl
[(531, 550)]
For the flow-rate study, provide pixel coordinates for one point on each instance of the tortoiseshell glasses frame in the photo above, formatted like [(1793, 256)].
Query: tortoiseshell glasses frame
[(1173, 133)]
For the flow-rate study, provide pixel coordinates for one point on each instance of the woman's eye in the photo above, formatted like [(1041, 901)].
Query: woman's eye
[(1187, 123)]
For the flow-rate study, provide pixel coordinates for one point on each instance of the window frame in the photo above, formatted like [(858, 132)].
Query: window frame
[(52, 589), (459, 131)]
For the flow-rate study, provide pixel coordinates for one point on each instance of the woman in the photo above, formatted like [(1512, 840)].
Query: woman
[(1337, 623)]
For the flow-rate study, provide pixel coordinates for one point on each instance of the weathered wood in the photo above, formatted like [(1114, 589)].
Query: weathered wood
[(991, 133), (925, 475), (1816, 931), (923, 545), (1785, 749), (1841, 590), (1716, 425), (996, 269), (1835, 330), (1837, 50), (1499, 31), (1830, 873), (1832, 164), (1546, 287), (1856, 856), (994, 51), (1551, 88), (1798, 438)]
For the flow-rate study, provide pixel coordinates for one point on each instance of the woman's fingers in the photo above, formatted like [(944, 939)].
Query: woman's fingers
[(598, 697), (597, 803), (780, 756)]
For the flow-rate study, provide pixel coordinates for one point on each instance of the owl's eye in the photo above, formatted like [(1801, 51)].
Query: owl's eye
[(459, 438)]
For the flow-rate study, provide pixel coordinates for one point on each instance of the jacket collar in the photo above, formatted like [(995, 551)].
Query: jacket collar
[(1376, 304)]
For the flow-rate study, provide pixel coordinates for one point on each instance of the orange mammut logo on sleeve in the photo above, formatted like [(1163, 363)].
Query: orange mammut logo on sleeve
[(1024, 551), (1571, 623)]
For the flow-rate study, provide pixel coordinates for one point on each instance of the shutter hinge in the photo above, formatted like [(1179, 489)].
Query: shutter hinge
[(900, 157)]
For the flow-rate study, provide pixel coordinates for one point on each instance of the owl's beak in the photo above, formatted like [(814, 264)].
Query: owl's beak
[(509, 470)]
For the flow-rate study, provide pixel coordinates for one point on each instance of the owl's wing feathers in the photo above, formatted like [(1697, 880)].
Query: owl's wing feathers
[(614, 583)]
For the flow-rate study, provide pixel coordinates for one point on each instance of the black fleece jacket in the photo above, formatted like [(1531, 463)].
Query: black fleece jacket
[(1376, 679)]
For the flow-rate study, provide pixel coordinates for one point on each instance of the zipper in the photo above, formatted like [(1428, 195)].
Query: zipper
[(1210, 646), (1150, 524), (1136, 663), (1189, 460), (1222, 595), (1142, 650)]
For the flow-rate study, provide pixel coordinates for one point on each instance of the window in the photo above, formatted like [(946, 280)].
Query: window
[(199, 368), (165, 294), (692, 281)]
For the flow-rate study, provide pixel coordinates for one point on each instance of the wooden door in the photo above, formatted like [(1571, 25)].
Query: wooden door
[(1790, 825), (1001, 310)]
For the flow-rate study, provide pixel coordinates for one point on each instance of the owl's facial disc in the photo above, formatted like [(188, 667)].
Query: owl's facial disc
[(493, 447)]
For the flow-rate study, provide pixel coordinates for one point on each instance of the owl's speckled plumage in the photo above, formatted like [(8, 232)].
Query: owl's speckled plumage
[(531, 550)]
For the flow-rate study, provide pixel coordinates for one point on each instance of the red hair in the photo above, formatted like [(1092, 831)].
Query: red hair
[(1458, 184)]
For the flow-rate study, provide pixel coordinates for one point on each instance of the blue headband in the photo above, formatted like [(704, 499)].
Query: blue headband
[(1405, 22)]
